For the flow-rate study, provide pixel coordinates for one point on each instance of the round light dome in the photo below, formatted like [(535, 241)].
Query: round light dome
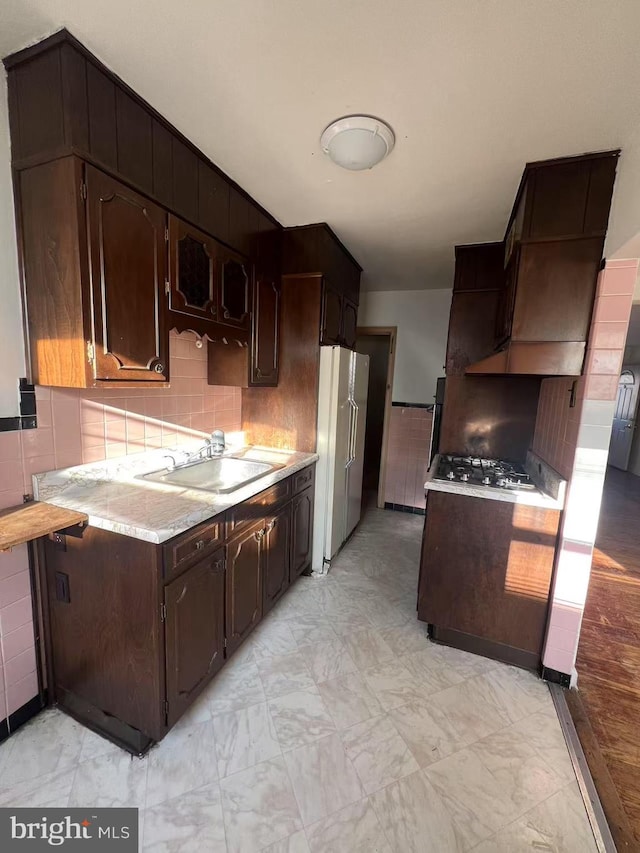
[(357, 142)]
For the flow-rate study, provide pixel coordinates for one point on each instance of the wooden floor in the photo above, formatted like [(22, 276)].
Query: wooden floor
[(609, 653)]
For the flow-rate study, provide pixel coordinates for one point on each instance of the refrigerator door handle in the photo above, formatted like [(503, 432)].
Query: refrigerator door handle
[(352, 433)]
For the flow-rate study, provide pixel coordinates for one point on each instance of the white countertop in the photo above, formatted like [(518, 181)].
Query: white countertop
[(109, 493), (542, 474)]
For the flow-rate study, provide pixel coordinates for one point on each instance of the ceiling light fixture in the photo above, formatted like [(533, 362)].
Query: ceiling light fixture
[(357, 142)]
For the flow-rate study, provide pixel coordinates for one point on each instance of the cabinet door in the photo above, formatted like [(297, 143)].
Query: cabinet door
[(349, 323), (331, 331), (504, 312), (234, 290), (192, 271), (264, 332), (194, 631), (244, 584), (276, 557), (301, 531), (128, 262)]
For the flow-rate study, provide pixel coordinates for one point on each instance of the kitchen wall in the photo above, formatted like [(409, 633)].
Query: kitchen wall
[(76, 426), (407, 456), (422, 318), (11, 344), (577, 440)]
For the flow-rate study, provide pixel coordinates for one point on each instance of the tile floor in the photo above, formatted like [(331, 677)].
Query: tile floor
[(336, 728)]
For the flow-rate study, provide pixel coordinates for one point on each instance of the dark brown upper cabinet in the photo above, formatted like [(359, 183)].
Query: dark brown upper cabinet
[(213, 201), (331, 331), (349, 323), (193, 271), (235, 290), (194, 606), (552, 254), (94, 267), (265, 332)]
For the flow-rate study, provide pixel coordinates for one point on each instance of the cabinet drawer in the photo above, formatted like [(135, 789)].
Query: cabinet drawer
[(198, 542), (258, 507), (303, 479)]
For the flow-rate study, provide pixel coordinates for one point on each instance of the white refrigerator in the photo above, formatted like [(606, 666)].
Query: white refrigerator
[(342, 415)]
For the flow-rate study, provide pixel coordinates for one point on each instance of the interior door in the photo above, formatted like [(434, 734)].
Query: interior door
[(128, 264), (359, 386), (624, 419)]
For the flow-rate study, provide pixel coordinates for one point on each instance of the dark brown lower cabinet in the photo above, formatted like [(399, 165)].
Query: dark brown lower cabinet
[(485, 589), (137, 630), (301, 531), (244, 584), (194, 608), (276, 557)]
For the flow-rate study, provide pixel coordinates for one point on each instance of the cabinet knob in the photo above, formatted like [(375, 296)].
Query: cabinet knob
[(200, 544), (259, 534), (159, 367), (270, 526)]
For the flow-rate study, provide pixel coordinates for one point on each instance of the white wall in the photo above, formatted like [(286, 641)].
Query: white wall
[(623, 234), (422, 318), (12, 362)]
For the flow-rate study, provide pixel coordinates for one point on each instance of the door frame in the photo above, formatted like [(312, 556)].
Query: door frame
[(391, 332)]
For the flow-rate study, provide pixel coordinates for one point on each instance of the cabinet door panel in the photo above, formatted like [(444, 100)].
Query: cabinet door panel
[(194, 631), (301, 531), (213, 202), (192, 277), (128, 271), (135, 141), (331, 315), (185, 180), (234, 290), (101, 98), (162, 168), (264, 338), (244, 585), (276, 557), (239, 225), (349, 323)]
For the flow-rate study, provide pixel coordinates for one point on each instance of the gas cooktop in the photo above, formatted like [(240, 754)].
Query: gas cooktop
[(492, 473)]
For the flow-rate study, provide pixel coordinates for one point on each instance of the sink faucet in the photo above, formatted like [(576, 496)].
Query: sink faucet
[(217, 443)]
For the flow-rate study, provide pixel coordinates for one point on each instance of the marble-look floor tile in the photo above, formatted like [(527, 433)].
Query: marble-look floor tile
[(50, 790), (272, 637), (259, 807), (94, 745), (284, 674), (427, 731), (506, 685), (296, 843), (429, 670), (472, 708), (327, 660), (244, 738), (414, 818), (465, 664), (300, 718), (542, 731), (355, 829), (478, 803), (378, 753), (180, 763), (516, 765), (557, 825), (188, 824), (112, 780), (50, 742), (393, 685), (349, 700), (407, 638), (367, 648), (308, 630), (323, 778), (237, 686)]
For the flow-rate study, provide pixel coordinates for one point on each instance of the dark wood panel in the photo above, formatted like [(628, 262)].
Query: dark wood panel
[(192, 546), (101, 100), (74, 93), (479, 267), (213, 202), (471, 328), (162, 164), (558, 199), (239, 232), (349, 323), (286, 416), (601, 180), (489, 416), (276, 557), (265, 332), (234, 290), (243, 585), (185, 180), (301, 531), (135, 141), (331, 328), (269, 256), (100, 652), (193, 278), (128, 269), (494, 581), (556, 289), (194, 632), (52, 218), (37, 120)]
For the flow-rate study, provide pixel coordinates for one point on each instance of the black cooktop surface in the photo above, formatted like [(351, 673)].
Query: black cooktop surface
[(476, 471)]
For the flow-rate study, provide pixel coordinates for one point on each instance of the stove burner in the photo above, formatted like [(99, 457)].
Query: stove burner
[(491, 473)]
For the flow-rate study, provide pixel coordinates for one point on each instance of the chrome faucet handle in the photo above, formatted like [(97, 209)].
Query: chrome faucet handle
[(218, 441), (171, 463)]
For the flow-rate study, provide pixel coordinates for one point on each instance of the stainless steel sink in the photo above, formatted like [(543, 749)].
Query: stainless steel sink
[(220, 475)]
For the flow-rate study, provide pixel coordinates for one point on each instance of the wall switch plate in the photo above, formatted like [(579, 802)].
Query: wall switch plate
[(62, 587)]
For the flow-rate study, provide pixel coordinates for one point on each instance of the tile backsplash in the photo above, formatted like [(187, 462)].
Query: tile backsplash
[(78, 426)]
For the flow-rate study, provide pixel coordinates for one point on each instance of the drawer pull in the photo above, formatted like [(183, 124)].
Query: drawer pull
[(259, 534), (270, 526), (200, 544)]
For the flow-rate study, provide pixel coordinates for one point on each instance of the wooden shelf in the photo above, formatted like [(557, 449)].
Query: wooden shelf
[(29, 521)]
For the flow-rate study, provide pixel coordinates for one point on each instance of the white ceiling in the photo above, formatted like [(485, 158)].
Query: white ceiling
[(472, 88)]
